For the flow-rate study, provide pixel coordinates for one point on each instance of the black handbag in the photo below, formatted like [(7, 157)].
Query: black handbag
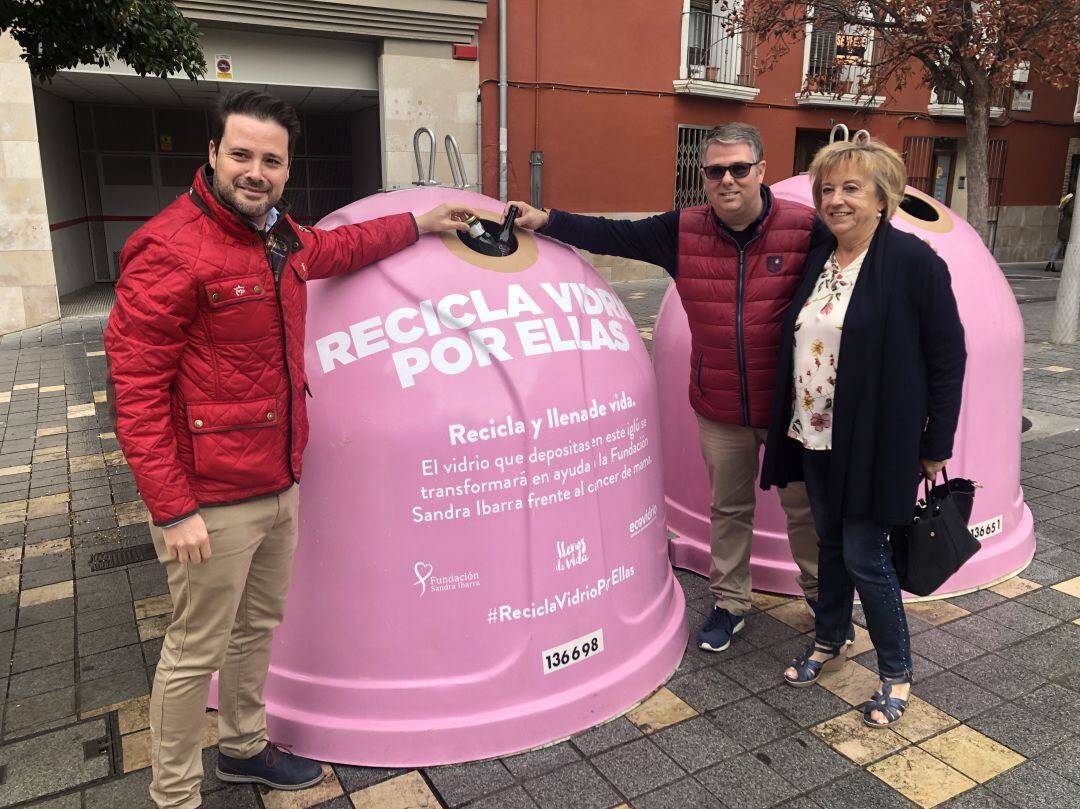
[(937, 542)]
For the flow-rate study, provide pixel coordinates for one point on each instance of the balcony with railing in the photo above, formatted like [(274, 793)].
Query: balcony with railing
[(716, 62), (947, 104), (837, 69)]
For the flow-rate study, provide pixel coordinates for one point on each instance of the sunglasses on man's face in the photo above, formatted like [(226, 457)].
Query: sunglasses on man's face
[(738, 170)]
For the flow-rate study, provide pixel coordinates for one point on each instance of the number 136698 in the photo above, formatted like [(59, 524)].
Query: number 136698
[(571, 652)]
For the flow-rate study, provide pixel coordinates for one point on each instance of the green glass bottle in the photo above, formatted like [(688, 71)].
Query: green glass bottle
[(482, 241)]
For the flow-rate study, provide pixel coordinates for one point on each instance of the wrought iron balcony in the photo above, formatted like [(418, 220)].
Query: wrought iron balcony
[(718, 62)]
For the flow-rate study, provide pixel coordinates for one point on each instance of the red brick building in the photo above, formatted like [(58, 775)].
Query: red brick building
[(615, 95)]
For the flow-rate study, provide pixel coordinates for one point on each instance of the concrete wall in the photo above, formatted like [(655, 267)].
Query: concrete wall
[(62, 169), (27, 282), (420, 85)]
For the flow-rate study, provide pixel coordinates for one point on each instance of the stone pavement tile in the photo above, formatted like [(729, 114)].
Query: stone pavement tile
[(513, 798), (956, 696), (762, 630), (767, 601), (40, 681), (108, 663), (978, 798), (752, 723), (1053, 653), (49, 611), (538, 762), (406, 791), (578, 785), (922, 720), (977, 756), (111, 690), (1054, 602), (105, 617), (1033, 786), (353, 779), (1063, 759), (1061, 557), (936, 612), (150, 628), (241, 796), (131, 714), (44, 644), (43, 576), (804, 761), (1069, 587), (605, 736), (860, 790), (103, 590), (151, 650), (746, 782), (862, 643), (706, 689), (946, 650), (58, 546), (1019, 729), (51, 763), (853, 683), (659, 711), (49, 506), (460, 783), (155, 605), (796, 615), (920, 777), (326, 790), (72, 800), (684, 794), (755, 671), (1020, 617), (804, 706), (637, 767), (1054, 702), (111, 637), (1011, 588), (1000, 674), (50, 592), (9, 584), (696, 744), (848, 735), (989, 635), (1045, 574), (978, 600), (130, 792), (28, 712)]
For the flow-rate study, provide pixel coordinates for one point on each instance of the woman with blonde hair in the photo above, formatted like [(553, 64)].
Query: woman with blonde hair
[(867, 400)]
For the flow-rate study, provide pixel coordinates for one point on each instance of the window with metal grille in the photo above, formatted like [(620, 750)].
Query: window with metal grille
[(688, 188), (838, 58), (918, 159)]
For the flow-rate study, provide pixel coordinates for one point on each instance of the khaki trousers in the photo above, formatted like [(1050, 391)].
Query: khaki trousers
[(224, 612), (731, 454)]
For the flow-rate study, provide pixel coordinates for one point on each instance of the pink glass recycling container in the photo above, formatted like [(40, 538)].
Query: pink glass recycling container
[(987, 446), (483, 563)]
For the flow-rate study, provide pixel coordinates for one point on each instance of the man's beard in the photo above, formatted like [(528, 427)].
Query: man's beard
[(231, 195)]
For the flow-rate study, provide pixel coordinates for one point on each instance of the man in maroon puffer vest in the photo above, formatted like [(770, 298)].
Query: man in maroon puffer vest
[(206, 356), (736, 263)]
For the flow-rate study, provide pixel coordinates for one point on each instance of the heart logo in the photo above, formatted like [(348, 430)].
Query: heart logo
[(423, 572)]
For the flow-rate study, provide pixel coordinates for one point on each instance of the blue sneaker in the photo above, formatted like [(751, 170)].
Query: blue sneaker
[(274, 767), (851, 627), (715, 634)]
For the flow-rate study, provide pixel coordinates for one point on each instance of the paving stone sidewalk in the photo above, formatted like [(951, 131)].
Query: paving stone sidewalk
[(994, 722)]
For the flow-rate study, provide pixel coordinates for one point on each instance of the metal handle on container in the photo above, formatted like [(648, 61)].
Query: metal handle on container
[(835, 129), (862, 136), (430, 180), (457, 165)]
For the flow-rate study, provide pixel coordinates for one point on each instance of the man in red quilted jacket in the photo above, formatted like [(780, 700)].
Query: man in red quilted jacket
[(736, 263), (206, 353)]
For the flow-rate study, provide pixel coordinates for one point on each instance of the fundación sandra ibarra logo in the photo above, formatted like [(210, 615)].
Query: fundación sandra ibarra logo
[(427, 580)]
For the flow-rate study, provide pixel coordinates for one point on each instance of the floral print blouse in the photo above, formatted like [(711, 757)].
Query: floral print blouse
[(817, 345)]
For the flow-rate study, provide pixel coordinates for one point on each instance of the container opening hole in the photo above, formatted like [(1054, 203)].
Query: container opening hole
[(491, 228), (920, 209)]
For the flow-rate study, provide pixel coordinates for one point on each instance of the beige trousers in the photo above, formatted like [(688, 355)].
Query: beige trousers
[(224, 612), (731, 454)]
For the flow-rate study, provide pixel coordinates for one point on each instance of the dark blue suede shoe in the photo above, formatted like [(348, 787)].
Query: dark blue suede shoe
[(851, 627), (715, 634), (274, 767)]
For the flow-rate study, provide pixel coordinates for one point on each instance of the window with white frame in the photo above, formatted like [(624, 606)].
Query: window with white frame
[(837, 57)]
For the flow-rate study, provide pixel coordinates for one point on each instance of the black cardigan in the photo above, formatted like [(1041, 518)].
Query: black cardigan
[(900, 374)]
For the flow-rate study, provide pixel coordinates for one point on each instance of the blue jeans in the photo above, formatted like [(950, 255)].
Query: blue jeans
[(855, 555)]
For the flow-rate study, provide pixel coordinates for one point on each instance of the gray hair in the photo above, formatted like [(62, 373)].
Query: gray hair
[(731, 134)]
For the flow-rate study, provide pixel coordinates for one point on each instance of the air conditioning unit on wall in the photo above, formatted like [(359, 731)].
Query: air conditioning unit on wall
[(1021, 73)]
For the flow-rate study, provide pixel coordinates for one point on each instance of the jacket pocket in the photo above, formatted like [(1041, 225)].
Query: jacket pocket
[(240, 308), (700, 357), (238, 443)]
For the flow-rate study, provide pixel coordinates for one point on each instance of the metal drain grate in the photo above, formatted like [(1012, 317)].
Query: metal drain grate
[(106, 560)]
